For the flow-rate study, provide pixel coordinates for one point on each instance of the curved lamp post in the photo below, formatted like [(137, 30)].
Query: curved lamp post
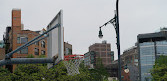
[(115, 22)]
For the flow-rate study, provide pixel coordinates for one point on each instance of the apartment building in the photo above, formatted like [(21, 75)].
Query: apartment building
[(150, 47), (102, 51), (16, 36), (129, 60)]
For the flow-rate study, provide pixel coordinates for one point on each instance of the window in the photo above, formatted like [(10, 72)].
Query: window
[(103, 49), (22, 40), (103, 46), (36, 51), (23, 51), (42, 52), (43, 44), (108, 46), (108, 49), (37, 43), (18, 39), (103, 54), (14, 18)]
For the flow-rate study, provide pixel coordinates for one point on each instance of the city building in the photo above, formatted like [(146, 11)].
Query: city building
[(103, 51), (2, 50), (90, 59), (130, 56), (112, 69), (130, 60), (67, 48), (150, 47), (16, 36), (2, 45)]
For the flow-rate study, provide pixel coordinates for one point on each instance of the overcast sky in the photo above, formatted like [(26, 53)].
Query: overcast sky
[(82, 18)]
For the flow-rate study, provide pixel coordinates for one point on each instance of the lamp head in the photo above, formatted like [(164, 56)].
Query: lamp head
[(100, 34), (126, 69)]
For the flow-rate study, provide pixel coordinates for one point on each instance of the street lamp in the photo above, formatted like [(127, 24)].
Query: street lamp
[(115, 23), (100, 33), (126, 70)]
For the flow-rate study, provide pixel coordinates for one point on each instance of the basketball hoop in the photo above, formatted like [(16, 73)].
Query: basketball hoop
[(72, 63)]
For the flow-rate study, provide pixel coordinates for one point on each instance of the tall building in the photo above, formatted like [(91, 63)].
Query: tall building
[(150, 47), (67, 48), (130, 60), (103, 51), (2, 50), (90, 59), (16, 36), (130, 56)]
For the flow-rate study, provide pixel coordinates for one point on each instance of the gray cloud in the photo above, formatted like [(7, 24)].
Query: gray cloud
[(83, 17)]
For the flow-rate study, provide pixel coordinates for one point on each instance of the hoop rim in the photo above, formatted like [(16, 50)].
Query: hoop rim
[(70, 57)]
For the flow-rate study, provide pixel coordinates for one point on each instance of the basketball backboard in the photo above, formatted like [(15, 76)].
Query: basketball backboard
[(55, 41)]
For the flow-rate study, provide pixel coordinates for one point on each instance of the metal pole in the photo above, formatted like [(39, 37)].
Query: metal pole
[(19, 48), (38, 40), (26, 61), (118, 40)]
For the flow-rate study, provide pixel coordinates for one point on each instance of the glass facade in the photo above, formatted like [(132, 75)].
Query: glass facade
[(149, 51), (161, 47), (147, 59)]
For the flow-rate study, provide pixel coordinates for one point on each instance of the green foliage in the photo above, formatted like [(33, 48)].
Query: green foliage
[(58, 72), (5, 75), (40, 72), (99, 73), (159, 71), (29, 72), (41, 56), (30, 56)]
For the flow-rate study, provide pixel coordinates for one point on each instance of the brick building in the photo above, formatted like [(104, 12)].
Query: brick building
[(67, 48), (130, 56), (16, 36), (2, 51), (130, 59), (103, 51)]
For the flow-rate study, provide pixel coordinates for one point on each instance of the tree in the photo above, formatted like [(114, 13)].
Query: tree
[(99, 73), (159, 71), (40, 72), (5, 75), (29, 72)]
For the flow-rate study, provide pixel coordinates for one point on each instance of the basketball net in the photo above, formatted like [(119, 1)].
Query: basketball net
[(72, 63)]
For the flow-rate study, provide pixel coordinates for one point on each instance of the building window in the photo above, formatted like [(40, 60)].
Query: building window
[(22, 40), (103, 46), (37, 43), (108, 49), (36, 51), (43, 44), (103, 54), (108, 46), (103, 49), (42, 52), (14, 18), (23, 51)]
